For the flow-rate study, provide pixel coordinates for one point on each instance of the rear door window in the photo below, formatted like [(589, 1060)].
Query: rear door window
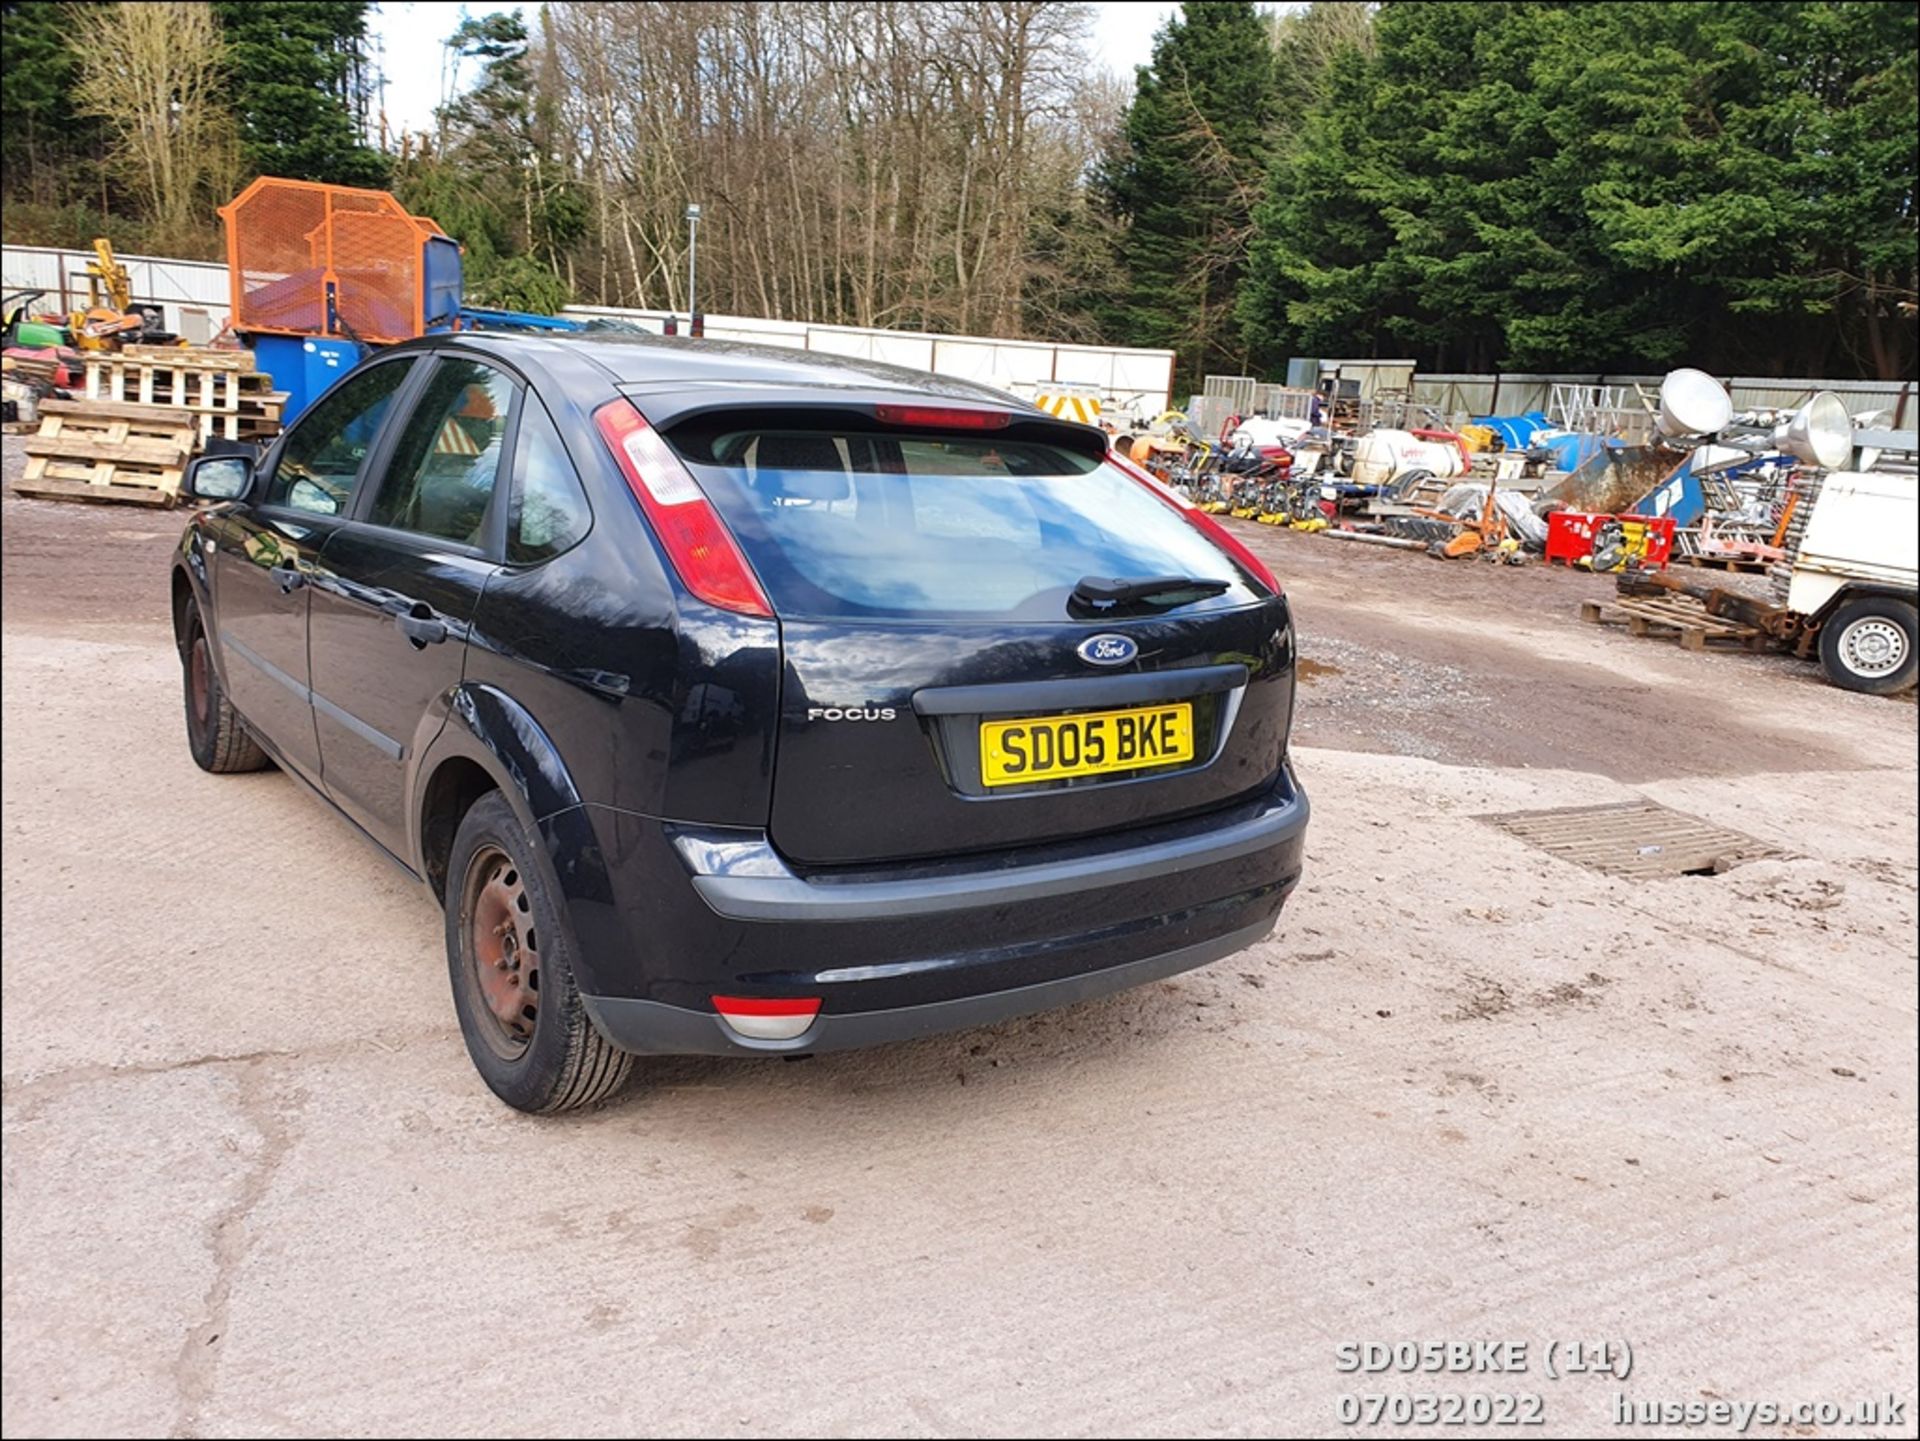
[(849, 523), (441, 477)]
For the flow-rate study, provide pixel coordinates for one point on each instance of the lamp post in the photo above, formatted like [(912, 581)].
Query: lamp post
[(693, 256)]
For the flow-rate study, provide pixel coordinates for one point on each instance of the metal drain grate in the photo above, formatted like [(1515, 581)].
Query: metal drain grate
[(1638, 840)]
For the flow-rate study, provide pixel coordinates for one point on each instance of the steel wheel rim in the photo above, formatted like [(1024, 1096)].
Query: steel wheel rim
[(200, 681), (502, 951), (1873, 647)]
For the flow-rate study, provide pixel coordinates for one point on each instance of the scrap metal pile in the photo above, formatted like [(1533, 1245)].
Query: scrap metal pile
[(1607, 478)]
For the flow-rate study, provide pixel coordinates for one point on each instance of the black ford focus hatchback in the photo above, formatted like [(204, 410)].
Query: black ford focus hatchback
[(743, 701)]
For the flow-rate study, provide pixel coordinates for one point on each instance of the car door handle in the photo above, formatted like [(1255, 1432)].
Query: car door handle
[(288, 578), (421, 626)]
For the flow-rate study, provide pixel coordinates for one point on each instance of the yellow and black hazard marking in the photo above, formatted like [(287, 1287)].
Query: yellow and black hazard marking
[(1066, 406)]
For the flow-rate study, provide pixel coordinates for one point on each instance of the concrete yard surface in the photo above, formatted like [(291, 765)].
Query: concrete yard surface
[(1466, 1092)]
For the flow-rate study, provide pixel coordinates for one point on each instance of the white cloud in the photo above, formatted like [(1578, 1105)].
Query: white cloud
[(413, 59), (1123, 33)]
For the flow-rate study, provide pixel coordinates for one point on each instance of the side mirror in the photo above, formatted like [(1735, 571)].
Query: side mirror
[(219, 477)]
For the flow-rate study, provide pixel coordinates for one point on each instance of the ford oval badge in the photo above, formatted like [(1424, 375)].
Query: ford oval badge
[(1107, 650)]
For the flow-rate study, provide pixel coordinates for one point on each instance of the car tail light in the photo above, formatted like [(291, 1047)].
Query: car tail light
[(760, 1019), (1222, 538), (703, 552), (941, 417)]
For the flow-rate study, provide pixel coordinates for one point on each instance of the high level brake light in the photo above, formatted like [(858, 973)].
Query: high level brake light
[(942, 417), (702, 551), (1222, 538), (761, 1019)]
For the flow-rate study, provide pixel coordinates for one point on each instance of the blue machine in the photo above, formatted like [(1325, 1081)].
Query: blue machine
[(1680, 495), (305, 365), (440, 262), (1516, 432)]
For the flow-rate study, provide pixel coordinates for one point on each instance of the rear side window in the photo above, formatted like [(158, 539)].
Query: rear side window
[(848, 523), (550, 511)]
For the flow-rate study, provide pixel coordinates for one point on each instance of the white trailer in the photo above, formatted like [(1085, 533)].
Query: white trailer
[(1852, 583)]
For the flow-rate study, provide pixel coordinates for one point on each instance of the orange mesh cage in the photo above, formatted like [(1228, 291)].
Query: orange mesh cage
[(291, 242)]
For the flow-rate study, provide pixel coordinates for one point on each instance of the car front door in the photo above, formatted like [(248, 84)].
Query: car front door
[(397, 586), (265, 555)]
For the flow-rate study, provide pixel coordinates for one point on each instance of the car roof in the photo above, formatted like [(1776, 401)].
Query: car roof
[(644, 361)]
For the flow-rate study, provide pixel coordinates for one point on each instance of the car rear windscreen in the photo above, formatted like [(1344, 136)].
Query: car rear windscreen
[(847, 523)]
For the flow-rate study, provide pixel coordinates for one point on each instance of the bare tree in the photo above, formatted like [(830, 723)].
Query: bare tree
[(151, 72), (877, 162)]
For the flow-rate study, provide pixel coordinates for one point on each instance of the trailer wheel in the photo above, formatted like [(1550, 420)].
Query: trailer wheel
[(1870, 645)]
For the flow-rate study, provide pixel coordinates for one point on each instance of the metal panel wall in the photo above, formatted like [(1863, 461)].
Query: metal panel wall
[(1511, 394), (1123, 373), (170, 284)]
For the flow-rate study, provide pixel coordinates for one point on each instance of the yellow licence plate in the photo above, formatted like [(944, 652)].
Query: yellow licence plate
[(1051, 748)]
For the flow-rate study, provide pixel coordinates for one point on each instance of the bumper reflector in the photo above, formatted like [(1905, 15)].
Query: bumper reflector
[(767, 1020)]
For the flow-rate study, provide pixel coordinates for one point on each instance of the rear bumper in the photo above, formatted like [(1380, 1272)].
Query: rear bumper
[(653, 1028), (914, 948), (745, 879)]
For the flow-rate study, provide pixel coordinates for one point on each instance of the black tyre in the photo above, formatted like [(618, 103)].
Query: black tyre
[(1869, 645), (216, 735), (510, 956), (1404, 486)]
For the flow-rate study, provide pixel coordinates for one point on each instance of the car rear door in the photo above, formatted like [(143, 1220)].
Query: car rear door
[(950, 684), (396, 589), (267, 553)]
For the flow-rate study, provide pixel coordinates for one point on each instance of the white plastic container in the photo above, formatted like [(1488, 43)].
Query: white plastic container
[(1381, 455)]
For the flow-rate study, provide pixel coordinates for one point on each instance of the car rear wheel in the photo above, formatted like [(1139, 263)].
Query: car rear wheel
[(1869, 645), (510, 955), (216, 735)]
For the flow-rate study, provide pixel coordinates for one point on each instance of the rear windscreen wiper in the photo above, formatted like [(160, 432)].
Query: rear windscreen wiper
[(1162, 592)]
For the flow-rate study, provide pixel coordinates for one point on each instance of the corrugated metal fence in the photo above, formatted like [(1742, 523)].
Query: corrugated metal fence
[(1456, 396), (1122, 374), (173, 285)]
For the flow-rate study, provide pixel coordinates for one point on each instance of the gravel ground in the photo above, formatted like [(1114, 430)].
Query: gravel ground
[(1466, 1092)]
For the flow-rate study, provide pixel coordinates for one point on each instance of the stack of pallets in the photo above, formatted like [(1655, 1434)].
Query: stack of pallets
[(220, 389), (148, 410)]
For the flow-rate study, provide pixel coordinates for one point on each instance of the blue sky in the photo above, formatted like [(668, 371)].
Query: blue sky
[(409, 33)]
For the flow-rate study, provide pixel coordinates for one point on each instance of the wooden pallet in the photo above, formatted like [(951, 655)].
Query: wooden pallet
[(1745, 564), (202, 356), (1680, 615), (191, 387), (229, 425), (47, 488), (80, 423), (134, 464)]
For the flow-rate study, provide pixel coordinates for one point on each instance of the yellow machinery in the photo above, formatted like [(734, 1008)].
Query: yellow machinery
[(109, 315)]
